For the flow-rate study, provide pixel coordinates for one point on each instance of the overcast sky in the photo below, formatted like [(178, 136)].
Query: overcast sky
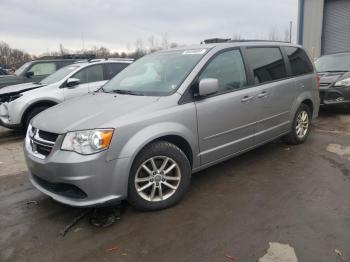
[(40, 26)]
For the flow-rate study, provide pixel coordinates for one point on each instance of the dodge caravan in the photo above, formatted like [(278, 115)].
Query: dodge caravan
[(168, 115)]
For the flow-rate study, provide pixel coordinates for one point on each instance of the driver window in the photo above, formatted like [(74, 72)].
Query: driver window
[(90, 74), (40, 69), (228, 68)]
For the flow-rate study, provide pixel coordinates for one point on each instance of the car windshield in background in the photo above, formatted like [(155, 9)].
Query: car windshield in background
[(23, 68), (333, 63), (158, 74), (58, 75)]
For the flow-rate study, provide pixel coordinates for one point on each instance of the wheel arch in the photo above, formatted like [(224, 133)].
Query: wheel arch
[(309, 103), (307, 99), (48, 103)]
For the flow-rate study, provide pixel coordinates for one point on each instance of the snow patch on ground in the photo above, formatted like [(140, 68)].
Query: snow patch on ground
[(279, 253)]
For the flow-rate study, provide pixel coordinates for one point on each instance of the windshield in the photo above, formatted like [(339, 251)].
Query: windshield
[(58, 75), (157, 74), (338, 62), (23, 68)]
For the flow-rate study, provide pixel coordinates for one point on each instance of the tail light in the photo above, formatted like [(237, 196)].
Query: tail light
[(318, 83)]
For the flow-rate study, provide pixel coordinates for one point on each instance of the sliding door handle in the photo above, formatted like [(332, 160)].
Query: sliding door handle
[(262, 94), (246, 98)]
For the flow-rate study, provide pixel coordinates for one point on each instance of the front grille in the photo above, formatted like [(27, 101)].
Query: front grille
[(42, 149), (52, 137), (63, 189), (42, 142)]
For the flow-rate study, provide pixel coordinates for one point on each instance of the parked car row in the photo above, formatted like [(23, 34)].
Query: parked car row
[(169, 114), (20, 103)]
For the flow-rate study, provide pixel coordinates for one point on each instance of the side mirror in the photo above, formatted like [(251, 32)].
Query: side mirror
[(72, 82), (29, 74), (208, 86)]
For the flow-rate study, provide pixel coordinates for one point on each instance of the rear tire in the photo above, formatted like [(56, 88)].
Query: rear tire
[(159, 177), (32, 113), (301, 125)]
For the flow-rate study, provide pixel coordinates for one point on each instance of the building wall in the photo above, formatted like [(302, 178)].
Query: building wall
[(310, 26)]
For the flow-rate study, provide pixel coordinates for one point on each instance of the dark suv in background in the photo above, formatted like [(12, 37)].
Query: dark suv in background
[(3, 72), (36, 70), (334, 73)]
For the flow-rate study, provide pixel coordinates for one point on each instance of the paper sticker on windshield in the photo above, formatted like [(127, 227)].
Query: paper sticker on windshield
[(194, 52)]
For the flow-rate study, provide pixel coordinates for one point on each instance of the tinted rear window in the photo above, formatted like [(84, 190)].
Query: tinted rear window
[(267, 64), (114, 68), (299, 61)]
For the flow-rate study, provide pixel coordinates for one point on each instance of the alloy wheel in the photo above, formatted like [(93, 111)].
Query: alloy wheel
[(302, 125), (157, 178)]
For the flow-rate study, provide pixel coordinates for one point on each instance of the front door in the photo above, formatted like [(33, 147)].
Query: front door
[(90, 77), (41, 70), (226, 120)]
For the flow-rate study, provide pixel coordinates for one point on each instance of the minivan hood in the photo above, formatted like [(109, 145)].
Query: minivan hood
[(90, 111), (19, 88)]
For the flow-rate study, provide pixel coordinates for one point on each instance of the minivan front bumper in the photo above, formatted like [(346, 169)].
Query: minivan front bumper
[(78, 180)]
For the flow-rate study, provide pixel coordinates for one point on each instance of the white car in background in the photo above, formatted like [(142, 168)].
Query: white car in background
[(20, 103)]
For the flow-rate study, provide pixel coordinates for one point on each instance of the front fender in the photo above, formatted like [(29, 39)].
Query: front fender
[(150, 133)]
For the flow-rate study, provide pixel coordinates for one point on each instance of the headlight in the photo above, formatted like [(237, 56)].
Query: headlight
[(87, 142), (343, 83)]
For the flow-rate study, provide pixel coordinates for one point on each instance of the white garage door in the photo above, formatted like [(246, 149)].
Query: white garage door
[(336, 29)]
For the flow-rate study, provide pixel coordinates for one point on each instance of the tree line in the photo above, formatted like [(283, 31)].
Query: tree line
[(12, 57)]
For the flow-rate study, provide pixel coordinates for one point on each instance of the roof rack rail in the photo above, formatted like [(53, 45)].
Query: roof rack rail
[(94, 60), (228, 40), (69, 56), (119, 59), (258, 40), (215, 40)]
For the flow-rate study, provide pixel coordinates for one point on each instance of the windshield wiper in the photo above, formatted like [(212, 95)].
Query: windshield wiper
[(127, 92)]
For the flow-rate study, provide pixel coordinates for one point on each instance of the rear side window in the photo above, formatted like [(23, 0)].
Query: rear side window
[(229, 69), (114, 68), (299, 61), (40, 69), (266, 63)]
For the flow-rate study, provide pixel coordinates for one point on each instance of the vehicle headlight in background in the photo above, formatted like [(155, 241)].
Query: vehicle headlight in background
[(87, 142), (343, 83)]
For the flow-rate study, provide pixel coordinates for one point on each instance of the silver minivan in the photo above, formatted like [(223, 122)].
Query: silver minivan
[(168, 115)]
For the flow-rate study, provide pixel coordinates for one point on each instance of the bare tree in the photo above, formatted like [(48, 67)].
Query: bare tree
[(10, 57), (274, 35), (236, 36), (286, 37), (63, 51), (165, 41), (173, 45)]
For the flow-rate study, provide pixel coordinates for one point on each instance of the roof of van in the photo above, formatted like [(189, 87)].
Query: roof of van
[(234, 43)]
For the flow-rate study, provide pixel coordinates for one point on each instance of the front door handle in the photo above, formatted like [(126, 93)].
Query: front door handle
[(262, 94), (247, 98)]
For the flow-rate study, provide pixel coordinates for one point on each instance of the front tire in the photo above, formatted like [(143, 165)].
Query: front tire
[(159, 177), (301, 126)]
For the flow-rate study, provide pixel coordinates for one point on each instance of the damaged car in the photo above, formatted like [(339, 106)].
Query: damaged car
[(334, 73), (20, 103)]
